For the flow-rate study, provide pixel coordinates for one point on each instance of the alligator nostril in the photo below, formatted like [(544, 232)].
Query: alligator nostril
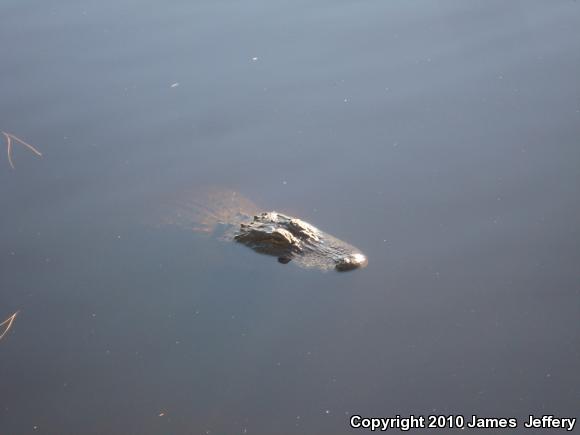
[(351, 262)]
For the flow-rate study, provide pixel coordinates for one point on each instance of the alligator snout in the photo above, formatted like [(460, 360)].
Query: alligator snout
[(351, 262)]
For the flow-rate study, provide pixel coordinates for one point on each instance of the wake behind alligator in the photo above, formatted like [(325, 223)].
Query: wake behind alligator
[(230, 216)]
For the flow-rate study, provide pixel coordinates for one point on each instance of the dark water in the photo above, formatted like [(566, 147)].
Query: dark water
[(441, 138)]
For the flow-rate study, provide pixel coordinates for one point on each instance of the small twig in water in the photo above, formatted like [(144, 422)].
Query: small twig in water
[(7, 324), (9, 137), (9, 148)]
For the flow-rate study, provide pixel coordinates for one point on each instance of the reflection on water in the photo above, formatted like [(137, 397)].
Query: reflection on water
[(441, 139)]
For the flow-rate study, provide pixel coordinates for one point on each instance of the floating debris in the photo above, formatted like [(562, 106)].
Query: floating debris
[(7, 324), (9, 138)]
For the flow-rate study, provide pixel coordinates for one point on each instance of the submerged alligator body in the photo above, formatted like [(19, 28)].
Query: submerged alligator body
[(272, 233)]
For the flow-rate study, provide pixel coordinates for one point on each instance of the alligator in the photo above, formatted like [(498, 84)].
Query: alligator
[(235, 218)]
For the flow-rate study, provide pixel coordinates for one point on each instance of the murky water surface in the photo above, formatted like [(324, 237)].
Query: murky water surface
[(441, 138)]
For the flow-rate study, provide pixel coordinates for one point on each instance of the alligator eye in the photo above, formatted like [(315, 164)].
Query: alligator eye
[(351, 262), (284, 260)]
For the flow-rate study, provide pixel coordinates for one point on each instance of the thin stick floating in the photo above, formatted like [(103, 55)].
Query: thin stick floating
[(7, 324), (9, 138), (9, 149)]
